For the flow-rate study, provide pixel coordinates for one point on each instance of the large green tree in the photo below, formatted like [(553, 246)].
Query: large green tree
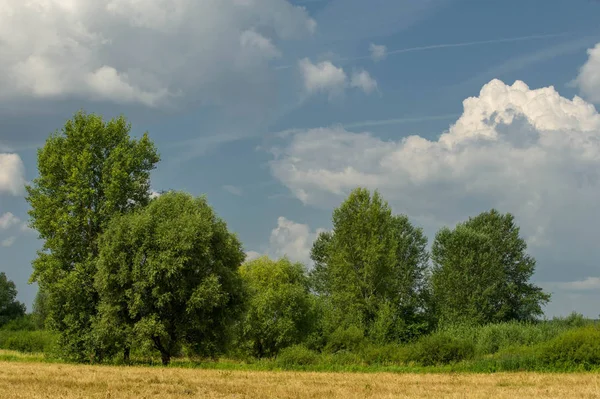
[(89, 172), (372, 269), (168, 276), (10, 308), (482, 272), (280, 308)]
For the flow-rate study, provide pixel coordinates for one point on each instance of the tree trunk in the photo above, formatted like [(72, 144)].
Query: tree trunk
[(165, 357), (126, 353)]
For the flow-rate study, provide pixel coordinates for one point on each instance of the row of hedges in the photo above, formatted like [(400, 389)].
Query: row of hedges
[(575, 349), (502, 347)]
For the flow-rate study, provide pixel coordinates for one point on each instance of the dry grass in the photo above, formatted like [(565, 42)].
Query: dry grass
[(43, 380)]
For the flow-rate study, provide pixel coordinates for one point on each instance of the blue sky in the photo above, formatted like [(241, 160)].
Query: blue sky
[(275, 109)]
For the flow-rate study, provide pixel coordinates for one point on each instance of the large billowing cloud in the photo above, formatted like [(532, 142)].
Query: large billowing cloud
[(12, 174), (530, 152), (143, 51)]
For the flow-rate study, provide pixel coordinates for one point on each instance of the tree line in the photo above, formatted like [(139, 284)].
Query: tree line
[(119, 270)]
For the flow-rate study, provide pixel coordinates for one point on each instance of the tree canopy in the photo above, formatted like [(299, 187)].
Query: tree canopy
[(372, 268), (168, 276), (279, 306), (89, 172), (481, 272), (10, 308)]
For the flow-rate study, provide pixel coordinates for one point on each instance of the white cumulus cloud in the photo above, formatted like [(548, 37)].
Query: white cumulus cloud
[(362, 80), (8, 242), (378, 52), (526, 151), (143, 51), (254, 41), (325, 77), (251, 255), (588, 79), (293, 240), (8, 220), (322, 76), (12, 174), (290, 239)]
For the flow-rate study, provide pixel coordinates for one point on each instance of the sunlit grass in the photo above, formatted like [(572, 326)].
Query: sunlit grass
[(43, 380)]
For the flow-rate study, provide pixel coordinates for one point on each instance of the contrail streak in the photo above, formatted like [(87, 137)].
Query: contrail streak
[(451, 45)]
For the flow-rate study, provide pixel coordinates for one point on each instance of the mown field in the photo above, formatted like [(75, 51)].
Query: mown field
[(549, 359), (19, 380)]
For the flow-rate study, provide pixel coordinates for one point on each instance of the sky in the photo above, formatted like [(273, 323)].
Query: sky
[(277, 109)]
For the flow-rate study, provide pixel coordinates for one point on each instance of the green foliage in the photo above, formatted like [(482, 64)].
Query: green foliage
[(371, 270), (28, 341), (481, 273), (573, 320), (345, 339), (10, 308), (88, 173), (492, 338), (26, 322), (297, 355), (551, 346), (40, 309), (280, 309), (390, 354), (437, 349), (168, 275), (578, 348)]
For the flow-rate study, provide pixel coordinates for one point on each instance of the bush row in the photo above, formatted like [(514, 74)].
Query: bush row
[(568, 344), (574, 349)]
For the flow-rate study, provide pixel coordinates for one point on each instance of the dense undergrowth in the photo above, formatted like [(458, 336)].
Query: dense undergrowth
[(566, 344)]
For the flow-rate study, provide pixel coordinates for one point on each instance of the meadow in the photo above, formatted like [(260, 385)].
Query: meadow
[(19, 380), (548, 359)]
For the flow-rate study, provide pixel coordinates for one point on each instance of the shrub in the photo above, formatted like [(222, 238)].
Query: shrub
[(24, 323), (342, 358), (28, 341), (492, 338), (579, 348), (573, 320), (515, 358), (297, 355), (440, 348), (386, 354), (345, 339)]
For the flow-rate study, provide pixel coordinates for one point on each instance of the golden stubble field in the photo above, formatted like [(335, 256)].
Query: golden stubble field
[(44, 380)]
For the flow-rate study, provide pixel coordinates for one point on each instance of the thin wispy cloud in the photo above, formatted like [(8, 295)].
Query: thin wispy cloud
[(452, 45), (366, 123), (397, 121), (529, 59), (233, 190)]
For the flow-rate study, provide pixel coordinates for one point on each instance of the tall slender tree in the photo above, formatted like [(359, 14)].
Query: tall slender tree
[(89, 172), (372, 269)]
